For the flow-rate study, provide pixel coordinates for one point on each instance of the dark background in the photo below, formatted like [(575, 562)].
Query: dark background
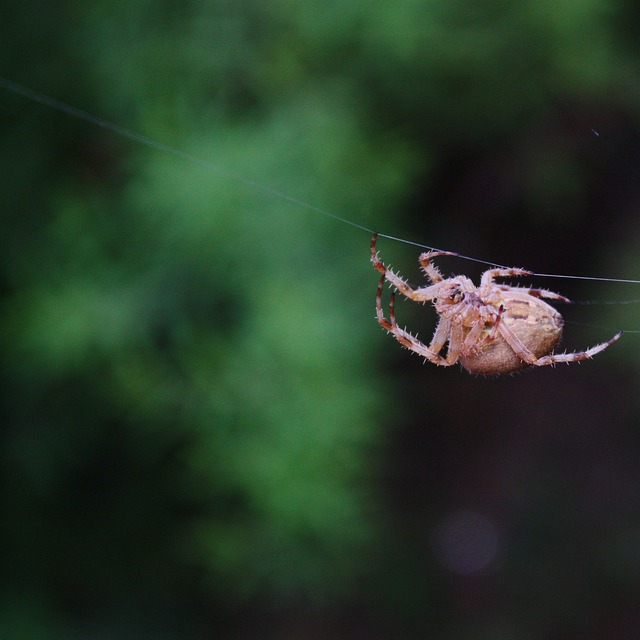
[(203, 431)]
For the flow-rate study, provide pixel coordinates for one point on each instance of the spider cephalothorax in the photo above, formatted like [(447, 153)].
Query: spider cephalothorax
[(491, 329)]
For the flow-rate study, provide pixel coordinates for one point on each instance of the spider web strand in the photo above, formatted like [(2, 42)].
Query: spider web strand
[(97, 121)]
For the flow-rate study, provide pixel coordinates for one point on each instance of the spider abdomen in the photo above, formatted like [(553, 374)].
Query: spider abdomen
[(534, 322)]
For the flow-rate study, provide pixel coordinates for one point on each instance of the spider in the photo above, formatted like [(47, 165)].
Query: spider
[(491, 329)]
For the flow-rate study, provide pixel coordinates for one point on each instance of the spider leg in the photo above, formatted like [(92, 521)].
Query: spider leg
[(489, 275), (421, 295), (400, 284), (382, 321), (536, 293), (519, 348), (410, 342), (440, 337), (577, 356), (430, 269), (496, 325), (473, 342), (456, 343), (525, 353)]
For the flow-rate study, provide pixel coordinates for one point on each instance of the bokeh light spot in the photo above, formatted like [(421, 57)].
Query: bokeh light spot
[(465, 542)]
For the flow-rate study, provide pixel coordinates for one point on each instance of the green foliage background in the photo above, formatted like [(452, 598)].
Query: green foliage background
[(204, 432)]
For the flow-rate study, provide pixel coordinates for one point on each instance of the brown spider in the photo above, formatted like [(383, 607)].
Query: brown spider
[(491, 329)]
